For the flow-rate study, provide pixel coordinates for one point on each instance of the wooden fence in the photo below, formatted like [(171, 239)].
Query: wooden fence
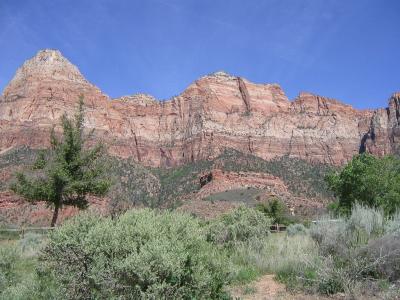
[(277, 228)]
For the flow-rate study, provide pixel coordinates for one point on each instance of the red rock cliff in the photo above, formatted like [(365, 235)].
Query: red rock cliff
[(214, 112)]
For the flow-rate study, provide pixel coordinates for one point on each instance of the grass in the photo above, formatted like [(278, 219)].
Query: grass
[(277, 254), (9, 235), (22, 267)]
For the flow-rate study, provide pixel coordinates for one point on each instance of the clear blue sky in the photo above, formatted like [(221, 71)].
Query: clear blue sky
[(349, 50)]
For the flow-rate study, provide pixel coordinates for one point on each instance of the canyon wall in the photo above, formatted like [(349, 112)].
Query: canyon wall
[(215, 112)]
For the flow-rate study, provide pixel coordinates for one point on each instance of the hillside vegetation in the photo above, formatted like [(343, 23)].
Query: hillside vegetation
[(160, 187), (150, 253)]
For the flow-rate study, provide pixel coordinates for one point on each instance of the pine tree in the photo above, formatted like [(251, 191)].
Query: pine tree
[(68, 172)]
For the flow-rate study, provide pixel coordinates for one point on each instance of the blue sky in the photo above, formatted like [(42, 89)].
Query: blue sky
[(349, 50)]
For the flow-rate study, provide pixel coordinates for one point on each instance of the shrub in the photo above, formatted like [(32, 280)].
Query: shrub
[(330, 236), (243, 224), (296, 229), (143, 254), (364, 224), (329, 279), (393, 223), (353, 250), (337, 237), (384, 256)]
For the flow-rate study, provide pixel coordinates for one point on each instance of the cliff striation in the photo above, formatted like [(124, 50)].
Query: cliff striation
[(215, 112)]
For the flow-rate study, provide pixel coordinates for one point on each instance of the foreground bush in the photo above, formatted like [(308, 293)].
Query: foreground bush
[(143, 254), (241, 225), (338, 237), (362, 248)]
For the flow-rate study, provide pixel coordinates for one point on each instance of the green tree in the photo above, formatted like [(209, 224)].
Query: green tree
[(66, 173), (368, 180), (276, 209)]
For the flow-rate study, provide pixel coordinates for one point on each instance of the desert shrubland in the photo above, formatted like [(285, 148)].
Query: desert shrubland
[(154, 254)]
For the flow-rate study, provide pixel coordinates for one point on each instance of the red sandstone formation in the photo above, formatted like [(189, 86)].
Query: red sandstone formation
[(214, 112), (268, 186)]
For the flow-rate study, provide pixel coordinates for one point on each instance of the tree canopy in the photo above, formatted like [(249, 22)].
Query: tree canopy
[(68, 172), (367, 180)]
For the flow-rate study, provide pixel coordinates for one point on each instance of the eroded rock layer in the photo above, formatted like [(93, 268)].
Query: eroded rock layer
[(215, 112)]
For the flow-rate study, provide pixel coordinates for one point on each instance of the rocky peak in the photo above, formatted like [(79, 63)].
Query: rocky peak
[(139, 99), (219, 76), (45, 65), (49, 64), (46, 74)]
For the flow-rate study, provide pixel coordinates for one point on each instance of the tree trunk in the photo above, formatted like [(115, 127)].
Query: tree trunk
[(55, 216)]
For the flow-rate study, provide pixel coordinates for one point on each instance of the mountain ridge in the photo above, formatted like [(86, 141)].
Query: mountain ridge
[(49, 55), (215, 112)]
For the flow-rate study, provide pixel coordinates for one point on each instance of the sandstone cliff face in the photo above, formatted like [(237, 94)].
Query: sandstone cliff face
[(43, 89), (215, 112), (383, 136)]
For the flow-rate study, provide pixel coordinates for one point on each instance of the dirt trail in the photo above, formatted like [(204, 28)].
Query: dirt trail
[(267, 288), (264, 288)]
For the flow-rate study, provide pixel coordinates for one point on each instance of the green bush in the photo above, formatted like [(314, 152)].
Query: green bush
[(243, 224), (143, 254)]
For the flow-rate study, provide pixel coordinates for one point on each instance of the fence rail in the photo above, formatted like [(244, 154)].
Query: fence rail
[(277, 228)]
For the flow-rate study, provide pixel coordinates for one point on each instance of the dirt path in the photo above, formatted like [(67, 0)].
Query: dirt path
[(267, 288), (264, 288)]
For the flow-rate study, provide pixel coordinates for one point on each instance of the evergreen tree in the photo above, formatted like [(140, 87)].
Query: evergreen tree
[(66, 173)]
